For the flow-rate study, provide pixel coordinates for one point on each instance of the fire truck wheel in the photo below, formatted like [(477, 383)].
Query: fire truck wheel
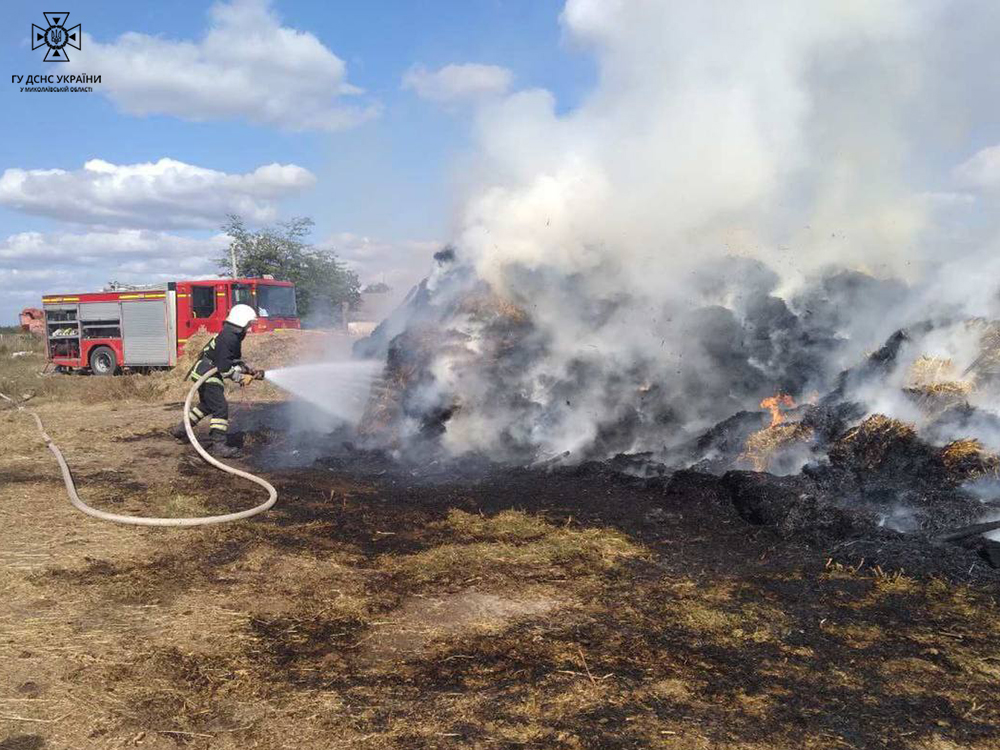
[(102, 361)]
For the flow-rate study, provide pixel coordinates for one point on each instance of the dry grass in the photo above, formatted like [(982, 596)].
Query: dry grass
[(506, 526), (855, 635), (16, 342), (192, 350), (182, 505), (718, 614), (893, 583), (555, 554), (23, 378)]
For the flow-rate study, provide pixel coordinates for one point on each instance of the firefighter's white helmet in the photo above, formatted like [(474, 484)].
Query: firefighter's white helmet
[(241, 316)]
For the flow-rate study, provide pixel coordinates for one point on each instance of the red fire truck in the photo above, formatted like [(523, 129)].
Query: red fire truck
[(147, 327)]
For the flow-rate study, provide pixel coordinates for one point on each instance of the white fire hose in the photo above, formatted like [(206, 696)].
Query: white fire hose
[(74, 498)]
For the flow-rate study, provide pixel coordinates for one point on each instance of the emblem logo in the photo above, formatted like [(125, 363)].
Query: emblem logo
[(56, 37)]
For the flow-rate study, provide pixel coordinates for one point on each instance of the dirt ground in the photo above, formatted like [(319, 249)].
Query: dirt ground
[(372, 608)]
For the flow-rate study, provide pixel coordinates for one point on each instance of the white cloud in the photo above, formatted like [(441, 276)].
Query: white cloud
[(139, 249), (455, 82), (982, 170), (36, 263), (399, 264), (247, 65), (164, 194)]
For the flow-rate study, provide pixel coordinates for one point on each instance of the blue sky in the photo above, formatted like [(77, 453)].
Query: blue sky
[(381, 189)]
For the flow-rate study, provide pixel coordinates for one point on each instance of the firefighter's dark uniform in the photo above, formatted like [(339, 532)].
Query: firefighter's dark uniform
[(225, 352)]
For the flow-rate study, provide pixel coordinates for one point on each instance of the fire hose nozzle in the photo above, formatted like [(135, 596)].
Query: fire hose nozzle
[(258, 375)]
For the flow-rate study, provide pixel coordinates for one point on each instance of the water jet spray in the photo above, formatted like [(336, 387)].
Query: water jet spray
[(339, 389)]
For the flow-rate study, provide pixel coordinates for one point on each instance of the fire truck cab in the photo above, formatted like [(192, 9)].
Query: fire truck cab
[(147, 327)]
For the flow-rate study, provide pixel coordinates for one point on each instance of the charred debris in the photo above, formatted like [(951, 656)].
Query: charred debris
[(820, 468)]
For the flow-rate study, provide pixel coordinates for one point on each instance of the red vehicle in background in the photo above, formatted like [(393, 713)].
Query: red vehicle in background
[(147, 327)]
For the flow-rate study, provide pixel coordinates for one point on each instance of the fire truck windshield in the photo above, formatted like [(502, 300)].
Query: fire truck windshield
[(276, 301), (242, 295)]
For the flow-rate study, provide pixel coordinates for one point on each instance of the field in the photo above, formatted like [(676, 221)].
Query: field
[(378, 607)]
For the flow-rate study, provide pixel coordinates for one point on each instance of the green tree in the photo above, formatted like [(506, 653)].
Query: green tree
[(322, 282)]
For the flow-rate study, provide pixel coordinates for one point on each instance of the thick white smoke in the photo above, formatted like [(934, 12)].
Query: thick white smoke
[(730, 153), (714, 127)]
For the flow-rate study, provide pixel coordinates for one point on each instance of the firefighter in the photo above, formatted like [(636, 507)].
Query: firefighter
[(223, 352)]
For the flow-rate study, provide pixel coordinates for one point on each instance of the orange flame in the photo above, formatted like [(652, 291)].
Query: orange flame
[(774, 405)]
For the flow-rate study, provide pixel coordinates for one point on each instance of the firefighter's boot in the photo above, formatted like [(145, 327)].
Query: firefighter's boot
[(218, 447), (179, 432)]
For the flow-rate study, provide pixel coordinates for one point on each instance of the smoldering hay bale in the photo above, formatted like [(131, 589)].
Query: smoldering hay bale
[(484, 306), (931, 371), (881, 444), (410, 402), (406, 377), (985, 368), (886, 447), (939, 397), (935, 385), (967, 459), (764, 447)]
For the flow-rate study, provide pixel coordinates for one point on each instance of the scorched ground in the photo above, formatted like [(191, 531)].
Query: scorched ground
[(386, 605)]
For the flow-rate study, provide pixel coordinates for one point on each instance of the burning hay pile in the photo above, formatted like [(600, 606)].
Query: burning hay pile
[(616, 293), (820, 466), (460, 362)]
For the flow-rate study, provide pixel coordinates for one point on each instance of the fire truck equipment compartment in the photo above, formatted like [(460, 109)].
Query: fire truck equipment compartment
[(145, 333)]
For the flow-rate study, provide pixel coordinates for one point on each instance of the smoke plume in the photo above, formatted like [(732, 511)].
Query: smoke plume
[(744, 204)]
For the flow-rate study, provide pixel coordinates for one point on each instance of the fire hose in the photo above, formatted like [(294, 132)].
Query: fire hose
[(74, 498)]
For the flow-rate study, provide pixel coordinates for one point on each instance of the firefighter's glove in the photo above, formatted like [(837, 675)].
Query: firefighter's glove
[(245, 379)]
